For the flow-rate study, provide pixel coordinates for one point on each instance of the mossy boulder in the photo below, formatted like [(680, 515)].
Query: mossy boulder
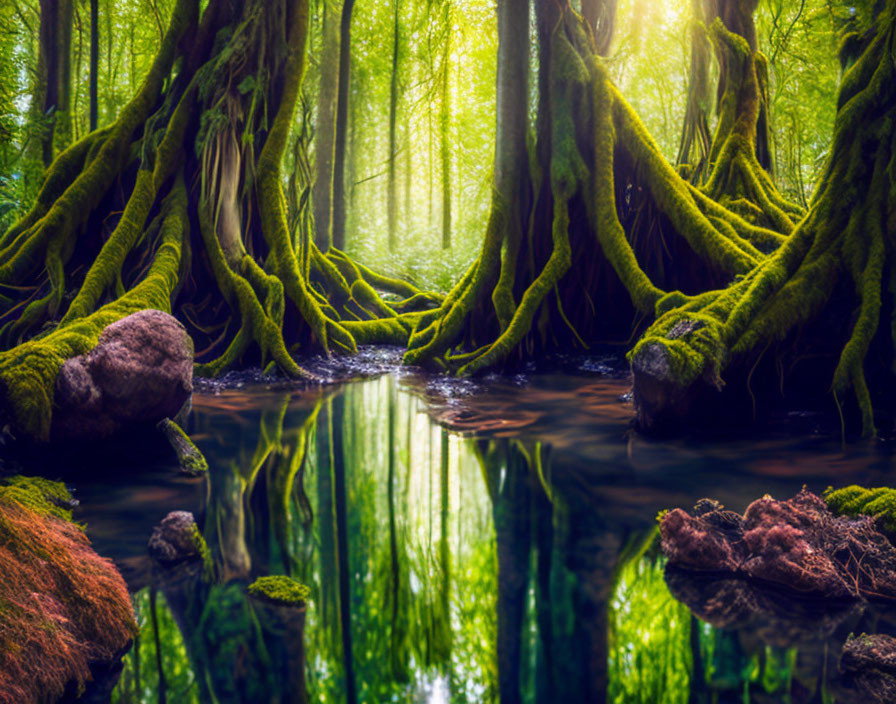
[(66, 617), (140, 372)]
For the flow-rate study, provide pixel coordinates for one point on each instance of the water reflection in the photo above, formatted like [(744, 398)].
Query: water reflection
[(513, 565)]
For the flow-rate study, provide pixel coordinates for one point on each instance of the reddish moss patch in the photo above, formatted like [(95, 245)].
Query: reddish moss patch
[(62, 606)]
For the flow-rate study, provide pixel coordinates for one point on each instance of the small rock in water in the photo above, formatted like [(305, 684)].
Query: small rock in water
[(140, 372), (176, 538)]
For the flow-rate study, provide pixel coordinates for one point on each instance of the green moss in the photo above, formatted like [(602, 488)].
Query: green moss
[(854, 501), (280, 590), (189, 457), (37, 494)]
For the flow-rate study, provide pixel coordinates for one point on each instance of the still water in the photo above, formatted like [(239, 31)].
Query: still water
[(464, 543)]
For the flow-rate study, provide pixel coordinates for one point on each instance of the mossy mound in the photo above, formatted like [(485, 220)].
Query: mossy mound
[(855, 501), (280, 590), (63, 608)]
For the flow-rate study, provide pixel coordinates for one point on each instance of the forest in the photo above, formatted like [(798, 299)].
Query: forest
[(270, 267)]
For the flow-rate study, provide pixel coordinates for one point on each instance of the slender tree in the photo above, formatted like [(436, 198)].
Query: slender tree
[(445, 124), (52, 93), (391, 186), (325, 129), (94, 63), (341, 137)]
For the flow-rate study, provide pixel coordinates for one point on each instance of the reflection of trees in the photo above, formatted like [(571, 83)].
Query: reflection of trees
[(564, 558), (236, 648), (428, 570)]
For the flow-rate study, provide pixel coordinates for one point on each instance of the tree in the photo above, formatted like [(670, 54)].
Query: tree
[(52, 92), (325, 131), (342, 110), (203, 228), (94, 63), (824, 293), (579, 228), (445, 125)]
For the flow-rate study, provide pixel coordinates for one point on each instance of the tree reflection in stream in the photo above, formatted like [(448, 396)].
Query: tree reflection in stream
[(441, 568)]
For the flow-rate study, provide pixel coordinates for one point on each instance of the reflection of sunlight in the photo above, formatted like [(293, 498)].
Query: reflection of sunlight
[(438, 691)]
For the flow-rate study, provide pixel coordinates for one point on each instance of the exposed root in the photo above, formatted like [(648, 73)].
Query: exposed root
[(590, 124), (843, 236)]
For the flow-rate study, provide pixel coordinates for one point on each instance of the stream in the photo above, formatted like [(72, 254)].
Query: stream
[(464, 542)]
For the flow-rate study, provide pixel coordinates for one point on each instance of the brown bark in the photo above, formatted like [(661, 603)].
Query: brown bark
[(342, 108), (325, 131), (52, 92)]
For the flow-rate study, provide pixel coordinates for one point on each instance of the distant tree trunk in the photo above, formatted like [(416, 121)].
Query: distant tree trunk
[(408, 173), (94, 63), (392, 194), (696, 137), (601, 17), (325, 133), (342, 107), (53, 87), (737, 16), (445, 130)]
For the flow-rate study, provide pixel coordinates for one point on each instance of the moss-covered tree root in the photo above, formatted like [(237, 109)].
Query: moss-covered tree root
[(604, 217), (835, 271), (179, 206)]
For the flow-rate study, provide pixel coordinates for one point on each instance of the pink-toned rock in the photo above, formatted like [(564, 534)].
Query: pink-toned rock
[(140, 372), (796, 544)]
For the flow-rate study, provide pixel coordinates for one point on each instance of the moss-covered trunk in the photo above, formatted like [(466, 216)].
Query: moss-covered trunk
[(591, 230), (202, 228), (816, 318)]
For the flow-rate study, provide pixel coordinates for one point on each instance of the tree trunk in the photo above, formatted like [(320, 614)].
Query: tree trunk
[(248, 297), (445, 129), (94, 63), (53, 87), (391, 188), (342, 108), (324, 133)]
